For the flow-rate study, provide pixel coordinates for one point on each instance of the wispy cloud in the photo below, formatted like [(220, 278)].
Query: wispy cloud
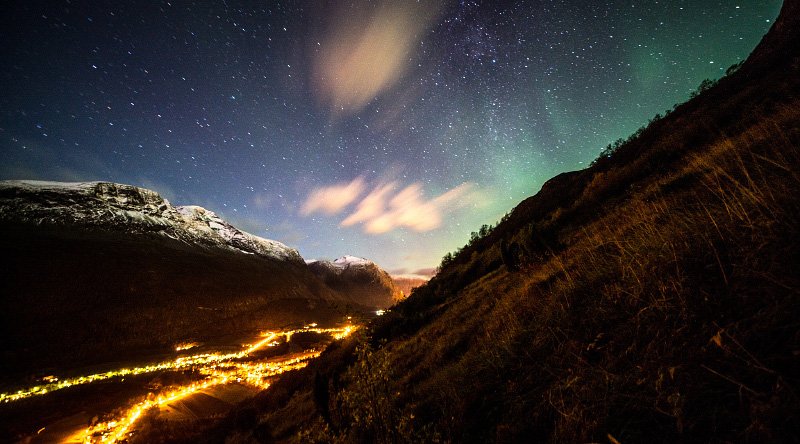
[(371, 207), (421, 273), (333, 199), (367, 50), (428, 272), (389, 206)]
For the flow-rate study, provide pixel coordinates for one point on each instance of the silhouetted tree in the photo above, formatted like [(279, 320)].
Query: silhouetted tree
[(446, 260), (705, 85), (733, 68)]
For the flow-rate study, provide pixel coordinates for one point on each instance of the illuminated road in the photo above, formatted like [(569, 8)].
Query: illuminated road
[(213, 369)]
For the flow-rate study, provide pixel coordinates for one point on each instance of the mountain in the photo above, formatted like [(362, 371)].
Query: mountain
[(650, 297), (125, 208), (362, 280), (100, 271)]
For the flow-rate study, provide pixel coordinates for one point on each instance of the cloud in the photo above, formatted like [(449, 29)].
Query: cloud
[(367, 50), (405, 273), (372, 206), (409, 209), (333, 199), (388, 207)]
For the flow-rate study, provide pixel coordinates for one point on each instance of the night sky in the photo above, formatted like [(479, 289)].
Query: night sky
[(385, 129)]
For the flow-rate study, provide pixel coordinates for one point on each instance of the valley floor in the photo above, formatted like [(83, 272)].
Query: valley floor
[(201, 381)]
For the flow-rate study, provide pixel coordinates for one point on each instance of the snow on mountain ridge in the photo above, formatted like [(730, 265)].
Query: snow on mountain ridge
[(348, 260), (361, 279), (342, 262), (206, 219), (130, 209)]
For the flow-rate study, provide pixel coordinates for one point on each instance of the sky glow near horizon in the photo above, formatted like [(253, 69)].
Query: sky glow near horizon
[(387, 129)]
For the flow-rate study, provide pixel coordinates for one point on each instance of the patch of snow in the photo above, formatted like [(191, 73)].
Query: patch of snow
[(203, 219), (347, 260), (47, 185)]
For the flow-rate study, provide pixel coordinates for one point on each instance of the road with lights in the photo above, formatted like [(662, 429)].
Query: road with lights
[(211, 370)]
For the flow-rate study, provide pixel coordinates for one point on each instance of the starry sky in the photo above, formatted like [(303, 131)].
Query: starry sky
[(386, 129)]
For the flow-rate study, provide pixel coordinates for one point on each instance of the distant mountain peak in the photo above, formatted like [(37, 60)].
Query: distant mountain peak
[(348, 260), (363, 280), (342, 262)]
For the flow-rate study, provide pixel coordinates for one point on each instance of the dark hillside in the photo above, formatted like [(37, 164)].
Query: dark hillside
[(651, 297), (72, 297)]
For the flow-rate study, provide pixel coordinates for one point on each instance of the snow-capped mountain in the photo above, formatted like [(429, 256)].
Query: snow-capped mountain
[(337, 266), (347, 261), (360, 279), (97, 271), (209, 224), (113, 206)]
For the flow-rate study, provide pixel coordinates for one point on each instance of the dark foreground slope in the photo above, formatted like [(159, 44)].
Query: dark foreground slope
[(656, 299), (99, 272)]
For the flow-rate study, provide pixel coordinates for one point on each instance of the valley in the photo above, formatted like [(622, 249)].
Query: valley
[(199, 381)]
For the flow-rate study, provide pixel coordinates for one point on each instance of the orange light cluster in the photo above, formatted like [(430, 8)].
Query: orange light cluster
[(183, 362), (113, 431), (254, 374), (185, 346), (216, 368)]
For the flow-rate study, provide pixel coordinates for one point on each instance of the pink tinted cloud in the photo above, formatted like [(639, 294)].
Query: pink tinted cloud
[(333, 199), (388, 207), (371, 206), (383, 210)]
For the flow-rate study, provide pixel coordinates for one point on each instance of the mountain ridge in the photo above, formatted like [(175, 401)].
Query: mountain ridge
[(125, 207)]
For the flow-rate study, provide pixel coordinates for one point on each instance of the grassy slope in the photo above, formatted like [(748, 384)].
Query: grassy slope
[(658, 299)]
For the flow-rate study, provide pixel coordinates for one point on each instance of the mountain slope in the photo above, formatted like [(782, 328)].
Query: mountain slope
[(99, 271), (653, 296), (360, 279)]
